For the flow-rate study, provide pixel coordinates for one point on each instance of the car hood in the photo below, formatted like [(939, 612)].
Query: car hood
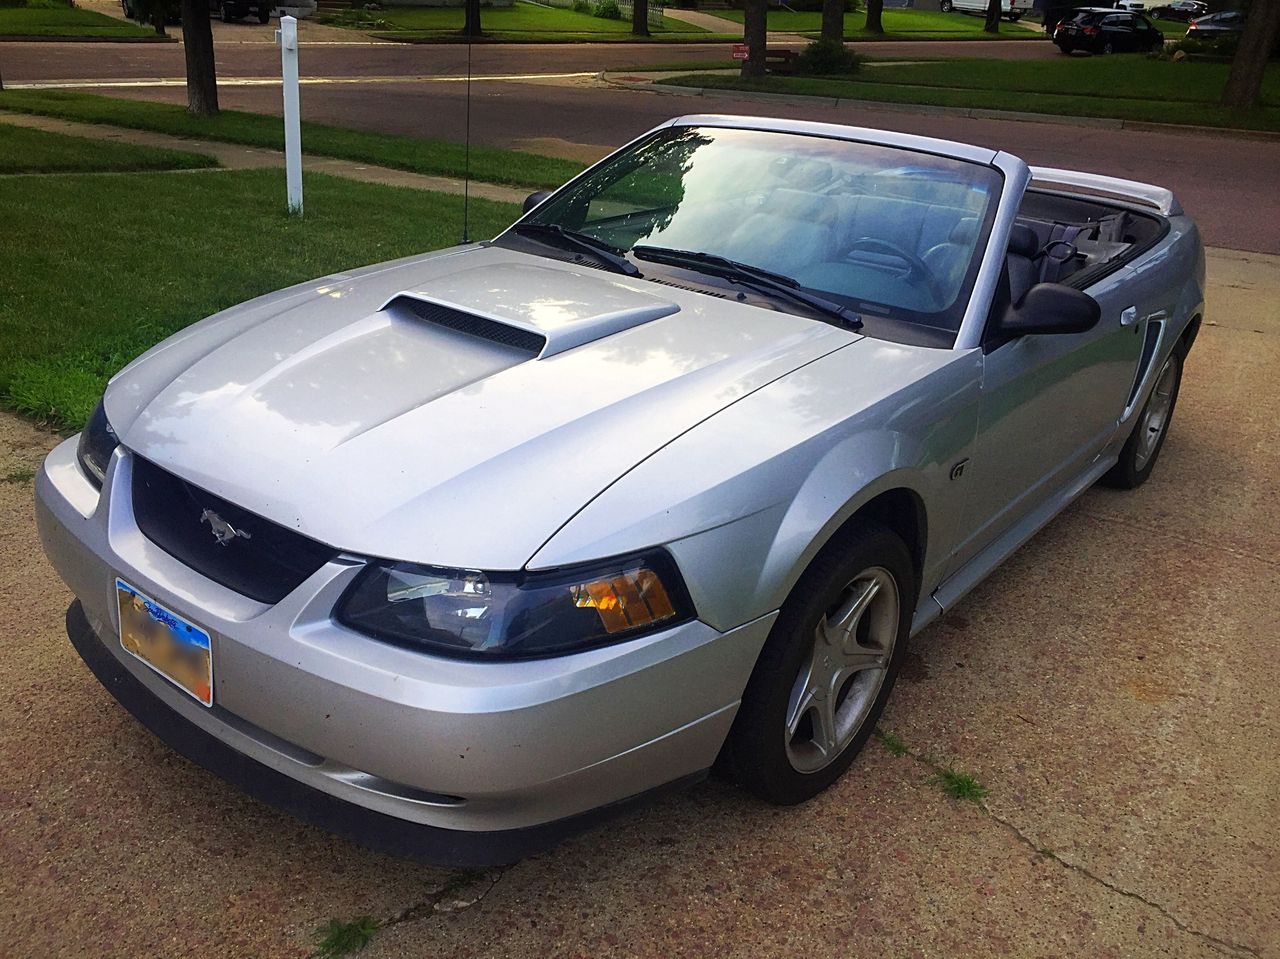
[(453, 409)]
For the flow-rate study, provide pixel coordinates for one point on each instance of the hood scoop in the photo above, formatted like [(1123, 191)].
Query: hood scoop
[(540, 311), (460, 321)]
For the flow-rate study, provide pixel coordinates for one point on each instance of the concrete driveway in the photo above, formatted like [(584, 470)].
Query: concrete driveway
[(1113, 686)]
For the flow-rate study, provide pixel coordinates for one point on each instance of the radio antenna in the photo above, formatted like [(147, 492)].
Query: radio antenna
[(466, 159)]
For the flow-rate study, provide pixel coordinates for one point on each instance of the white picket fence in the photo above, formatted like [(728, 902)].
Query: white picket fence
[(655, 9)]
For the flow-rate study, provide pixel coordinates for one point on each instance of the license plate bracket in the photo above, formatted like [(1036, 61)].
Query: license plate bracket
[(179, 651)]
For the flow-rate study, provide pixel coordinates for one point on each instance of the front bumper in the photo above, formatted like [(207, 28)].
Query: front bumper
[(481, 762)]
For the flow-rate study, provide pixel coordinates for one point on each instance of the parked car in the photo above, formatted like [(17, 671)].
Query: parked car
[(1185, 10), (1217, 26), (229, 10), (454, 553), (1103, 30), (1011, 10)]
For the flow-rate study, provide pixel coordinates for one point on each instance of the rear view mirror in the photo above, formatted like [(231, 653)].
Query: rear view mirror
[(1051, 308), (533, 199)]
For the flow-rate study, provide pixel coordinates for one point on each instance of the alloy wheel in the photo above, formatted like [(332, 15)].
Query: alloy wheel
[(1156, 415), (839, 680)]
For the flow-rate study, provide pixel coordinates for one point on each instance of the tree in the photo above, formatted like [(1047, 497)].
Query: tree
[(874, 10), (155, 12), (755, 34), (197, 42), (1244, 82), (640, 18), (471, 22), (995, 10), (833, 21)]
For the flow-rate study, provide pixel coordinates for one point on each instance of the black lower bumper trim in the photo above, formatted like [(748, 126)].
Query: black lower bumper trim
[(366, 827)]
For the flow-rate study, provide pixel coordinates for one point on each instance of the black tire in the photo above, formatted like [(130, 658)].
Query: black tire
[(1136, 463), (1107, 48), (1066, 48), (264, 14), (945, 6), (757, 750), (224, 13)]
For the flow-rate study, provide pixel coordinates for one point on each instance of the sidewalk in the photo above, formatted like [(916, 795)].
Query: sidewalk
[(234, 156), (716, 24)]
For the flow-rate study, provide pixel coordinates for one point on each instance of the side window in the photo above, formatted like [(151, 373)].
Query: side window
[(1144, 23)]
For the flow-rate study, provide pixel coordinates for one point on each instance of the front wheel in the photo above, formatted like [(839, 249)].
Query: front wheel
[(1139, 454), (827, 668), (1108, 48), (945, 6), (224, 13), (264, 14)]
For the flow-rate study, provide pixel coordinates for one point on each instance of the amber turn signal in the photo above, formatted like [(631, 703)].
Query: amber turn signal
[(627, 600)]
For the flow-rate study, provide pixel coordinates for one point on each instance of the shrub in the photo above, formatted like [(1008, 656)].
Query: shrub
[(607, 10), (581, 6), (1224, 47), (826, 57)]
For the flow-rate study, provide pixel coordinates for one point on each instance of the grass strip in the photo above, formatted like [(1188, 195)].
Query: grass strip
[(885, 85), (69, 22), (436, 157)]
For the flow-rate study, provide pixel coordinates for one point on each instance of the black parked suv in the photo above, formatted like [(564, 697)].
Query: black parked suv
[(229, 10), (1103, 30)]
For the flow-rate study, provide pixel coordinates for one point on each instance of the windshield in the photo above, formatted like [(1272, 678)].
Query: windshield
[(887, 232)]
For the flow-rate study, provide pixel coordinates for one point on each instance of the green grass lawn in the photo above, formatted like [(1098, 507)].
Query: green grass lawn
[(168, 250), (898, 25), (437, 157), (35, 151), (65, 22), (1129, 87), (521, 18)]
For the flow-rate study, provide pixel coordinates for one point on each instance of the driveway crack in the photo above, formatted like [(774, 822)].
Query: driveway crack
[(1225, 946), (459, 894)]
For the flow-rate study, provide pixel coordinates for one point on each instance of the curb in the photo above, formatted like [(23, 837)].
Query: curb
[(973, 113), (10, 38)]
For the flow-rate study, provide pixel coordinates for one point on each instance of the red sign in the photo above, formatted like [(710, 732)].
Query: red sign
[(739, 51)]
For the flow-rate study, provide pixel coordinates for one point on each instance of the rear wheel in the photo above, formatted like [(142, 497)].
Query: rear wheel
[(264, 14), (1108, 48), (945, 6), (224, 13), (827, 668), (1066, 48), (1139, 454)]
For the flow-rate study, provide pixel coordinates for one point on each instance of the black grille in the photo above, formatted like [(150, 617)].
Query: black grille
[(472, 325), (266, 564)]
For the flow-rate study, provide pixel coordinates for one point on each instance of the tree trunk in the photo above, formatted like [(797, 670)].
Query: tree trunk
[(995, 10), (471, 23), (157, 18), (755, 35), (874, 10), (1244, 82), (197, 43), (833, 21), (640, 18)]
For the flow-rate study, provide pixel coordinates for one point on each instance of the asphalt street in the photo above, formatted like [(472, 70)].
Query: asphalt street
[(1226, 182)]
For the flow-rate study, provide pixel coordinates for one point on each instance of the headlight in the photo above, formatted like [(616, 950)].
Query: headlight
[(97, 442), (516, 615)]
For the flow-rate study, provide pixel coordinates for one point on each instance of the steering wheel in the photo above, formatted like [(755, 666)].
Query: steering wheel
[(915, 266)]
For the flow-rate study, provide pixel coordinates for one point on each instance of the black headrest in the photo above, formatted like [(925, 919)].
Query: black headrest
[(1023, 241)]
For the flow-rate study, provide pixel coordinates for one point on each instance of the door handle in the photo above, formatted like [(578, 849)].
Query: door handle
[(1129, 316)]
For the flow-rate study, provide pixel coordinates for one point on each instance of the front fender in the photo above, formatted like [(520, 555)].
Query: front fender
[(747, 499)]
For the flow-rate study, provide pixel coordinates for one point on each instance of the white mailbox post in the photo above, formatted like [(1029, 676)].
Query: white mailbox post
[(287, 36)]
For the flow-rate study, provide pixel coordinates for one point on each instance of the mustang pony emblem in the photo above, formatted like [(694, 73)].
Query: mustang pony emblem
[(223, 531)]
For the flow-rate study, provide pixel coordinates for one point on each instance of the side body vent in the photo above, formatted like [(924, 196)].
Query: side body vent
[(472, 325)]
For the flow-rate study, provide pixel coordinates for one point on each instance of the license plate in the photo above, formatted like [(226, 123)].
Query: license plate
[(177, 650)]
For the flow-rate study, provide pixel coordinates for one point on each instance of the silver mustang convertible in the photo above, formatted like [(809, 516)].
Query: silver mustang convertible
[(454, 554)]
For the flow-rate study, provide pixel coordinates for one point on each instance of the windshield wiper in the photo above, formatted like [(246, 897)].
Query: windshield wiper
[(602, 251), (749, 275)]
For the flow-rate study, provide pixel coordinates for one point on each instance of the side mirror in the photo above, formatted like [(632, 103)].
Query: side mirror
[(1051, 308), (533, 199)]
